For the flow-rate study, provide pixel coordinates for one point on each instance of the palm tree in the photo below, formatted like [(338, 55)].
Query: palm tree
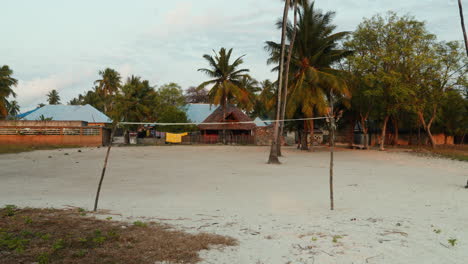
[(266, 100), (462, 20), (286, 76), (273, 158), (6, 89), (108, 86), (314, 52), (135, 102), (226, 80), (13, 109), (53, 97), (252, 87)]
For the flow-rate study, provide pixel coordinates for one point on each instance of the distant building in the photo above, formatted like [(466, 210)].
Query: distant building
[(72, 125), (85, 113)]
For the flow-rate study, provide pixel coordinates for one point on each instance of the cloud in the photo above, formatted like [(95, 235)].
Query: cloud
[(32, 92)]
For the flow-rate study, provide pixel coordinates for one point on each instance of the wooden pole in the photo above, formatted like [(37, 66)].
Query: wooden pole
[(103, 170), (462, 20), (332, 145)]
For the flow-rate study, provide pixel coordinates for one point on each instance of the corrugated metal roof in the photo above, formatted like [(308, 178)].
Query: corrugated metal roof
[(199, 112), (26, 113), (260, 123), (69, 113)]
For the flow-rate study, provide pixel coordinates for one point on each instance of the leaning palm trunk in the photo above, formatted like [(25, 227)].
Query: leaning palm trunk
[(286, 77), (104, 170), (462, 20), (273, 159)]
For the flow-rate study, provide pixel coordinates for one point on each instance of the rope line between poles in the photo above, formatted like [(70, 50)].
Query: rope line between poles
[(220, 123)]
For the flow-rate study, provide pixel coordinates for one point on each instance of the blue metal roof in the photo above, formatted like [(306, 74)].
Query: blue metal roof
[(69, 113), (197, 113), (260, 123), (20, 116)]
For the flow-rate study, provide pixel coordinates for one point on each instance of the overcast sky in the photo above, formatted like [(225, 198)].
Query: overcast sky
[(57, 44)]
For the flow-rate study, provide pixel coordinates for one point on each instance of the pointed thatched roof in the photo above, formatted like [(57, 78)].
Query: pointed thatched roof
[(233, 116)]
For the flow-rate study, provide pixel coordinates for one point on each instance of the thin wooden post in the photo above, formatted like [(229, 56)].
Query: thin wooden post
[(104, 170), (332, 145)]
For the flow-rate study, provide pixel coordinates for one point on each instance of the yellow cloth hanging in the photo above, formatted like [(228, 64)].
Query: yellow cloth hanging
[(175, 138)]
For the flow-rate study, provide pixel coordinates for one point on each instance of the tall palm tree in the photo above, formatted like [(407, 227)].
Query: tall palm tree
[(273, 158), (314, 53), (53, 97), (13, 109), (7, 82), (462, 20), (108, 86), (226, 80), (294, 4)]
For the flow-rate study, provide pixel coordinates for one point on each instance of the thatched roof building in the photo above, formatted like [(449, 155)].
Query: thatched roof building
[(233, 116)]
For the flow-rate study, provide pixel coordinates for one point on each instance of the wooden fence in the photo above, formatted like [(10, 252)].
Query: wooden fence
[(77, 136)]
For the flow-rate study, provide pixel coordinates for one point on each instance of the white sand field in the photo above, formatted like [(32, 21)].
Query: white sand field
[(388, 204)]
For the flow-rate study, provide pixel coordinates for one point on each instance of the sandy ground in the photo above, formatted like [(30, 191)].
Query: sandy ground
[(387, 204)]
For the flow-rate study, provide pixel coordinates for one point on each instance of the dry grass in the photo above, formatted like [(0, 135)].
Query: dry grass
[(8, 149), (69, 236), (456, 152)]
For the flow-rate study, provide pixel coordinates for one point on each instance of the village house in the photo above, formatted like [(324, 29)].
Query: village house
[(55, 125)]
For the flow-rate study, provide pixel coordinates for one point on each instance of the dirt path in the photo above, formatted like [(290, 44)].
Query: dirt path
[(387, 204)]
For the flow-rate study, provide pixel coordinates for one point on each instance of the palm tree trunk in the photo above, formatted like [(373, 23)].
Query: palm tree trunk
[(273, 159), (304, 142), (312, 134), (462, 20), (384, 128), (286, 77)]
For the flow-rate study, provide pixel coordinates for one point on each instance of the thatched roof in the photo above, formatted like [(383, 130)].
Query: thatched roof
[(233, 116)]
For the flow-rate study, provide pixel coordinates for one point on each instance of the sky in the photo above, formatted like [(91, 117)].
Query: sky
[(62, 44)]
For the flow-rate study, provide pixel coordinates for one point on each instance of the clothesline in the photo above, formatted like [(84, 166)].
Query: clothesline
[(219, 123)]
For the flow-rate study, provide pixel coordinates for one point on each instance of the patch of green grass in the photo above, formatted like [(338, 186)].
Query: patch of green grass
[(10, 210), (28, 220), (13, 242), (437, 231), (43, 258), (58, 244), (140, 224), (335, 239), (313, 239), (453, 242)]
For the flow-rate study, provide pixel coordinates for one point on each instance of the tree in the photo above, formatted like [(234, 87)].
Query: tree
[(7, 82), (389, 53), (264, 106), (273, 157), (92, 97), (108, 86), (13, 109), (437, 73), (226, 81), (135, 102), (196, 96), (314, 52), (53, 97), (454, 114)]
